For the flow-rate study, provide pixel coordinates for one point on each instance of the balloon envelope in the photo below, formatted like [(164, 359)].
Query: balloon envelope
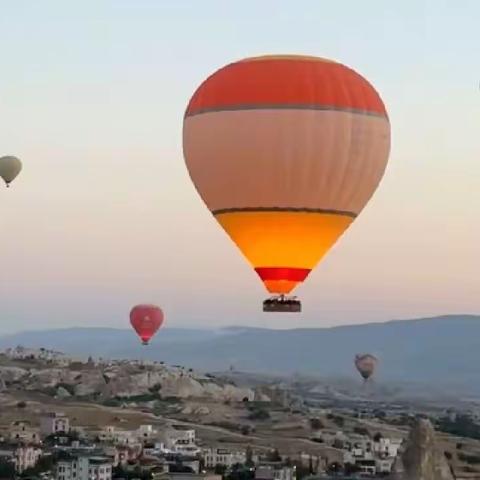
[(146, 320), (10, 167), (285, 151), (366, 365)]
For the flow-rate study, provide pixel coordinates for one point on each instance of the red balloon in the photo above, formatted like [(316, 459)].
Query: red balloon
[(146, 320)]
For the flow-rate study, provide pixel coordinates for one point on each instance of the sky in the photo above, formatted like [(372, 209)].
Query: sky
[(104, 214)]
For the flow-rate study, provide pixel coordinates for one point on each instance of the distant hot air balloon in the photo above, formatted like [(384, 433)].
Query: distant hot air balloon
[(366, 365), (285, 151), (146, 320), (10, 167)]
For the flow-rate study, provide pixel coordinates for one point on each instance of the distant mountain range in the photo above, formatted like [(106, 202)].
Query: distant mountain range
[(441, 350)]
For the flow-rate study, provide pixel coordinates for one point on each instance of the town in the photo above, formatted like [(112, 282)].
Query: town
[(68, 418), (53, 449)]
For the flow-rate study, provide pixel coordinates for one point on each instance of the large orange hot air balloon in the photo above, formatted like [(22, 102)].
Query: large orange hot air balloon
[(285, 151), (146, 320), (366, 365)]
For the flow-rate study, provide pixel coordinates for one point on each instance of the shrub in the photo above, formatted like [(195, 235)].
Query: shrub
[(259, 414), (316, 424)]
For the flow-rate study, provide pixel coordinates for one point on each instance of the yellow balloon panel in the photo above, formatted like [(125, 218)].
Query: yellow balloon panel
[(283, 241)]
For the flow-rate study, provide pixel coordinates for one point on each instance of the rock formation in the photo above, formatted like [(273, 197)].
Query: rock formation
[(421, 459)]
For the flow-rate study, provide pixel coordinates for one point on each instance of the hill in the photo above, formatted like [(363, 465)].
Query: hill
[(440, 350)]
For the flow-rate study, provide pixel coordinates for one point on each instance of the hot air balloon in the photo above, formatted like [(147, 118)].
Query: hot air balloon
[(10, 167), (366, 365), (146, 320), (285, 151)]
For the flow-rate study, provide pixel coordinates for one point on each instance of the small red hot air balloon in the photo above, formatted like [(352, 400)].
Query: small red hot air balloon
[(146, 320)]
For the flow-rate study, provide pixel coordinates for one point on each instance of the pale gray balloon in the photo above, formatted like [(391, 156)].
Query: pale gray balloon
[(10, 167)]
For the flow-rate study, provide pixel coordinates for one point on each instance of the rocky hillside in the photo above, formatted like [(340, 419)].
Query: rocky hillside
[(59, 376), (445, 353)]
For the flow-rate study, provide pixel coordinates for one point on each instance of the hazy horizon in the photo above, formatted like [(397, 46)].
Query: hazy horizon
[(104, 215), (127, 327)]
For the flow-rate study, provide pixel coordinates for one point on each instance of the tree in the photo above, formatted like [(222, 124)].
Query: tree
[(274, 456), (316, 424), (351, 468), (238, 472), (259, 414), (22, 404), (361, 431), (310, 465), (338, 421), (334, 468), (249, 457), (377, 437), (45, 463), (7, 469), (220, 469), (301, 471)]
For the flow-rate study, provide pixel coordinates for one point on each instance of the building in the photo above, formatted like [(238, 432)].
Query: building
[(20, 455), (274, 471), (371, 457), (84, 468), (22, 430), (186, 476), (387, 447), (222, 456), (182, 435), (54, 423), (23, 353), (180, 440), (142, 434)]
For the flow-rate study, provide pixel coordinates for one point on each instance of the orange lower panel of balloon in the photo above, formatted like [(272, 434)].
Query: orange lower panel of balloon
[(283, 246)]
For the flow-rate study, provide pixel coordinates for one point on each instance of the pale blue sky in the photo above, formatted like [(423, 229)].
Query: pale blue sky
[(92, 95)]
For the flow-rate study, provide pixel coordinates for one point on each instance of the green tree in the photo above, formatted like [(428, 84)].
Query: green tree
[(7, 469), (220, 469), (249, 456), (259, 414), (316, 424), (274, 456)]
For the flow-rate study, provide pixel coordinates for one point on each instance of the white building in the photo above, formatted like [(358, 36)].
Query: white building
[(384, 466), (54, 423), (127, 437), (179, 439), (387, 447), (221, 456), (118, 437), (372, 457), (182, 435), (21, 456), (84, 468), (23, 353)]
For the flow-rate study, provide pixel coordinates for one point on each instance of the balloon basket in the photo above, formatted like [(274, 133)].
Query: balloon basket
[(282, 304), (144, 342)]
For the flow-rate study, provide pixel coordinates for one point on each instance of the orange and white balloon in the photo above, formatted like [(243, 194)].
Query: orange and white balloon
[(285, 151)]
